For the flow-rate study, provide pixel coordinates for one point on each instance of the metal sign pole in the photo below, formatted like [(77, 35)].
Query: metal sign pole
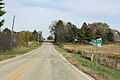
[(96, 43), (96, 48), (96, 53)]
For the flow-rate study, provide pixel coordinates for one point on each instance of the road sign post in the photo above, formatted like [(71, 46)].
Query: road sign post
[(97, 43)]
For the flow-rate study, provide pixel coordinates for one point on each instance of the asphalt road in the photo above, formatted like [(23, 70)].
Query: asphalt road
[(43, 63)]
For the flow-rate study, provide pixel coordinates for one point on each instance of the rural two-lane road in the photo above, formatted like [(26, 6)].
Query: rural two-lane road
[(43, 63)]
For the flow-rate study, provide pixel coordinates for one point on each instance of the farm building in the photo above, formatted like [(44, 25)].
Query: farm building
[(116, 36)]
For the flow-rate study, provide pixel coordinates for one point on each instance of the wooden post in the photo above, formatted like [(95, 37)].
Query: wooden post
[(12, 32), (92, 57)]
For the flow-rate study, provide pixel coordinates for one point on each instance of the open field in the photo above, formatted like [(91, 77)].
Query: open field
[(106, 48), (108, 55), (99, 72)]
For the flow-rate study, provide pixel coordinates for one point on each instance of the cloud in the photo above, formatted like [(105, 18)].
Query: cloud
[(95, 7), (38, 14)]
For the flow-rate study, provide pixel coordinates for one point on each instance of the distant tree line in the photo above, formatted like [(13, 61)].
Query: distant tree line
[(20, 39), (68, 32), (50, 37)]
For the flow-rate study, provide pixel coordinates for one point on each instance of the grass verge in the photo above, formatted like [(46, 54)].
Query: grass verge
[(18, 51), (99, 72)]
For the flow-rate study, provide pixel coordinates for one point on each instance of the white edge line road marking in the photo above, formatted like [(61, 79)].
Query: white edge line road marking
[(89, 78)]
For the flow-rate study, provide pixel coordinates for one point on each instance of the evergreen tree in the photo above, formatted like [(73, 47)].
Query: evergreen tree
[(109, 35), (2, 12)]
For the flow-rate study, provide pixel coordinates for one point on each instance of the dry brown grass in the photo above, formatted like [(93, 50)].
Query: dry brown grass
[(106, 48)]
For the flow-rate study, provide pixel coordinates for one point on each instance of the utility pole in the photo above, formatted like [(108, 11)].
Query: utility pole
[(26, 38), (41, 36), (12, 33), (38, 36)]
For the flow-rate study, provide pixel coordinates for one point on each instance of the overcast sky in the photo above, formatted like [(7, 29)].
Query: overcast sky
[(38, 14)]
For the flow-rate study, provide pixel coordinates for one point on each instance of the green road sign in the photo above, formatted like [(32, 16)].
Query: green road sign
[(96, 41)]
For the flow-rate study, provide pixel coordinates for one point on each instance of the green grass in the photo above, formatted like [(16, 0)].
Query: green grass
[(112, 73), (18, 51)]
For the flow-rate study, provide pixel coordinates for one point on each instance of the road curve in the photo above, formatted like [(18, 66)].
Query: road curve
[(43, 63)]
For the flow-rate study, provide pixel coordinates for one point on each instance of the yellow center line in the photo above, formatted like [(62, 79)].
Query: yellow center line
[(21, 70)]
